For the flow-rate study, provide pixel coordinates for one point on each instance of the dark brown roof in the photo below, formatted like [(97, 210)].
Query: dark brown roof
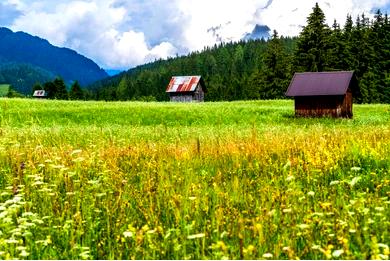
[(319, 83)]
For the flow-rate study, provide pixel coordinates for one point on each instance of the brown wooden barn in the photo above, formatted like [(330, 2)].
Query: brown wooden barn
[(186, 89), (319, 94)]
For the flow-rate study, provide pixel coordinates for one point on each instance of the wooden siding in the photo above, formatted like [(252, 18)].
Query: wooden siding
[(318, 106), (196, 96)]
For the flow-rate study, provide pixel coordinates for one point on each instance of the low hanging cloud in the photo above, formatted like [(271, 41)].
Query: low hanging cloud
[(119, 34)]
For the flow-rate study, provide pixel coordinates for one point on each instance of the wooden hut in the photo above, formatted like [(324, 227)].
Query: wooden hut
[(319, 94), (186, 89)]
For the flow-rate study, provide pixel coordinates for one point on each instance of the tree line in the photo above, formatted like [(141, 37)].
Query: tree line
[(262, 69), (56, 89)]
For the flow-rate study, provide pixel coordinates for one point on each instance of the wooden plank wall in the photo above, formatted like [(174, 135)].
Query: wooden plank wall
[(319, 106)]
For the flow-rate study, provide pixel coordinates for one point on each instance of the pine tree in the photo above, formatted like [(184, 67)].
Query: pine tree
[(60, 87), (275, 72), (348, 43), (50, 89), (338, 54), (313, 44), (76, 93)]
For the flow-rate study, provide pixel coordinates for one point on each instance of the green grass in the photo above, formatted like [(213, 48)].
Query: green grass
[(4, 88), (237, 180)]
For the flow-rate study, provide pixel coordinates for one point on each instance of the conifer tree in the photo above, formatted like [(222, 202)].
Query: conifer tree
[(61, 93), (338, 55), (275, 72), (76, 93), (313, 44)]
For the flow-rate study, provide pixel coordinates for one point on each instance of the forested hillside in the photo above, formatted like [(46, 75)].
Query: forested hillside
[(263, 69), (25, 60), (23, 76)]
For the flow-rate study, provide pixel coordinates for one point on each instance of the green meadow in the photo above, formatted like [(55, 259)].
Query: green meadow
[(228, 180)]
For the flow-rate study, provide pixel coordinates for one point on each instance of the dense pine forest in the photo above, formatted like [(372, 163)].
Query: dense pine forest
[(260, 69)]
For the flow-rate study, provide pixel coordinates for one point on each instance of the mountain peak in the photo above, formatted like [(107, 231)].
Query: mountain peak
[(259, 32)]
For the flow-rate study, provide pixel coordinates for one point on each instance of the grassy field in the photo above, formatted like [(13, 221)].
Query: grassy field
[(240, 180)]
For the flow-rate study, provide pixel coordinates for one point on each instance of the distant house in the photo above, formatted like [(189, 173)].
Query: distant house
[(40, 94), (319, 94), (186, 89)]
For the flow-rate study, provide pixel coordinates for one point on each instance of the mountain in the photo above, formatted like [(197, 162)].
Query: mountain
[(259, 32), (113, 72), (21, 49), (23, 76)]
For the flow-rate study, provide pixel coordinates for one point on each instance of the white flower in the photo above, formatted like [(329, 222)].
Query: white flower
[(337, 253), (196, 236), (128, 234), (268, 255)]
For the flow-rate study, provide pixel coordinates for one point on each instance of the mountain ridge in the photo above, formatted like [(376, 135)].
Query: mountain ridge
[(23, 48)]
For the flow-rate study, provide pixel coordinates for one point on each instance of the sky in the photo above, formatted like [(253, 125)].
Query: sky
[(121, 34)]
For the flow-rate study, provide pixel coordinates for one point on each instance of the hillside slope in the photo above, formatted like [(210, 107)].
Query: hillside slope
[(230, 70), (22, 48)]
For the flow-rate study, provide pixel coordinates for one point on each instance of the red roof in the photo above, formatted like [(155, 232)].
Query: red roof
[(40, 93), (184, 84), (320, 83)]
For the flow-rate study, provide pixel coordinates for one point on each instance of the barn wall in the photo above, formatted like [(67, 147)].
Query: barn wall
[(182, 98), (318, 106), (199, 94), (196, 96), (347, 105)]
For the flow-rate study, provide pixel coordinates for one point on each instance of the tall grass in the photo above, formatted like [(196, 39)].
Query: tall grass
[(240, 180)]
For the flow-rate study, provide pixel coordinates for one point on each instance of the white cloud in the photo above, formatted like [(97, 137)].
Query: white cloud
[(124, 33), (235, 18), (91, 29), (287, 17)]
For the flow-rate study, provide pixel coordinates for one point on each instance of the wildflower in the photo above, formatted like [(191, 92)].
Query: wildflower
[(27, 214), (128, 234), (268, 255), (303, 226), (151, 231), (354, 181), (78, 160), (311, 193), (290, 178), (24, 253), (337, 253), (355, 168), (249, 250), (85, 255), (196, 236), (287, 210), (11, 241), (316, 247), (76, 152)]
